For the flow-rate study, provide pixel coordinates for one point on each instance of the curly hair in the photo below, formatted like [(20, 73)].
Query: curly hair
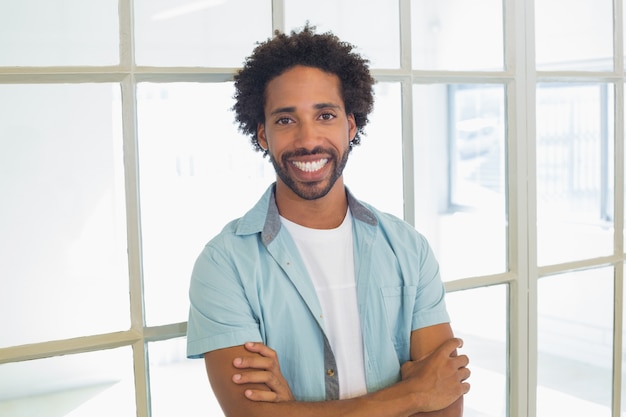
[(282, 52)]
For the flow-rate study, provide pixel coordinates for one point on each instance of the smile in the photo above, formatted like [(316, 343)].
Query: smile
[(311, 166)]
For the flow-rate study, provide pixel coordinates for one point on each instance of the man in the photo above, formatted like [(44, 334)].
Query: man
[(343, 304)]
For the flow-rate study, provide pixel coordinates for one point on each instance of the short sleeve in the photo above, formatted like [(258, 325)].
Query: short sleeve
[(219, 315), (430, 305)]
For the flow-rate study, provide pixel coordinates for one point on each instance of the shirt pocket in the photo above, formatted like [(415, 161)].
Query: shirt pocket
[(398, 305)]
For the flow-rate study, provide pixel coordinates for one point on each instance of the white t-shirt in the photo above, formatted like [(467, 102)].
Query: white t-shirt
[(329, 257)]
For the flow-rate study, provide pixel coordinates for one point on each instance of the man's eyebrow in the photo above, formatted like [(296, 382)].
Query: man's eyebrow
[(283, 110), (326, 106), (292, 109)]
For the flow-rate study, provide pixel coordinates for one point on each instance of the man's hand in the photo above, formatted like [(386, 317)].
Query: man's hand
[(263, 369), (440, 376)]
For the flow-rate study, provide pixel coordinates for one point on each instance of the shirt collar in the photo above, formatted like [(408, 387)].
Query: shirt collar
[(264, 216)]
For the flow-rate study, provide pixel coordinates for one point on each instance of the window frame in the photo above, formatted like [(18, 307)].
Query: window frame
[(519, 78)]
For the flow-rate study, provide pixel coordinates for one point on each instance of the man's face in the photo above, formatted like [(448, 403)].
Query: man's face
[(306, 130)]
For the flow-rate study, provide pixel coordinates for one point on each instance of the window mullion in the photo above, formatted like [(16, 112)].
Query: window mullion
[(618, 307), (618, 211), (408, 160), (133, 215), (127, 35), (519, 56), (278, 15)]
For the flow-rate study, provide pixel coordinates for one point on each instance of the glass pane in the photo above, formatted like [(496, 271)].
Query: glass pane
[(574, 35), (574, 172), (484, 334), (575, 343), (197, 173), (369, 26), (381, 147), (460, 176), (457, 35), (59, 33), (83, 385), (199, 33), (63, 262), (179, 386)]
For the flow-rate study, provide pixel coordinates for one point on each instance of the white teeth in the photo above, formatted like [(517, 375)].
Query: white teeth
[(311, 166)]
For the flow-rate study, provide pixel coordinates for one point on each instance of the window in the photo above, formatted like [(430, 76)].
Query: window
[(498, 131)]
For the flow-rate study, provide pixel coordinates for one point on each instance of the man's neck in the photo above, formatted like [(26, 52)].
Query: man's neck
[(327, 212)]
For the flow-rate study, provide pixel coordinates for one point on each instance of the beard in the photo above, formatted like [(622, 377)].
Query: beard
[(312, 190)]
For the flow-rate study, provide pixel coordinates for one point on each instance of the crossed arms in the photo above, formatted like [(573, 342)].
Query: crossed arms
[(247, 382)]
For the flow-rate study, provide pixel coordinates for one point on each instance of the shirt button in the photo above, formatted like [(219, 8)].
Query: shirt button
[(330, 372)]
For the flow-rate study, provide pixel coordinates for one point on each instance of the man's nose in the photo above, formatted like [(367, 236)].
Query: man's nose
[(307, 135)]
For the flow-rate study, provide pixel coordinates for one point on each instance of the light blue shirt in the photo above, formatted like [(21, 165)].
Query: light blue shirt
[(250, 284)]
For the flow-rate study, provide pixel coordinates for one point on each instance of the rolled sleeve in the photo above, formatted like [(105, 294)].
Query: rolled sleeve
[(430, 305), (219, 315)]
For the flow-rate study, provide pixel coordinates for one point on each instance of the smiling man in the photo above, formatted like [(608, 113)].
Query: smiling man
[(315, 303)]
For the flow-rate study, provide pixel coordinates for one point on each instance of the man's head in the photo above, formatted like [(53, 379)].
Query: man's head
[(305, 48)]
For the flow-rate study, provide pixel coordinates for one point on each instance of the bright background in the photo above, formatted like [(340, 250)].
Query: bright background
[(498, 132)]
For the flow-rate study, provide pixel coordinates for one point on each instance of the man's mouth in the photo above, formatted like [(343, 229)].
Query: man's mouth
[(310, 166)]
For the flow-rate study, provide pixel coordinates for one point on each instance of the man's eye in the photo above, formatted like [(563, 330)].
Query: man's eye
[(327, 116), (283, 121)]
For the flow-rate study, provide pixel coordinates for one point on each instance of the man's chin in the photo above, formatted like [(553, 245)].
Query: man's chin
[(308, 188), (311, 191)]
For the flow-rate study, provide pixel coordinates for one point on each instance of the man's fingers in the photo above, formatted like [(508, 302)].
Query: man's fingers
[(461, 361), (254, 377), (449, 347), (265, 357), (277, 389), (254, 362), (260, 348), (257, 395), (465, 373), (466, 387)]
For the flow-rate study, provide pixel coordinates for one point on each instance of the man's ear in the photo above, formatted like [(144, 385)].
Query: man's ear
[(260, 133), (352, 126)]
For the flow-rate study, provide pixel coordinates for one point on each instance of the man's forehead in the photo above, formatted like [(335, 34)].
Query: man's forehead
[(304, 88)]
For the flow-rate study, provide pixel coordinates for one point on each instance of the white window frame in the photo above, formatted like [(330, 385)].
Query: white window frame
[(520, 79)]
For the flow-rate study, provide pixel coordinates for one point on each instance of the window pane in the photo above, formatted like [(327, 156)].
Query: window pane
[(574, 172), (199, 33), (374, 171), (574, 35), (179, 386), (197, 173), (460, 176), (63, 262), (59, 33), (575, 342), (82, 385), (372, 28), (484, 334), (457, 35)]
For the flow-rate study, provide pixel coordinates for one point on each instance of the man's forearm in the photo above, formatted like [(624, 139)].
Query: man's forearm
[(433, 383), (395, 401), (454, 410)]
